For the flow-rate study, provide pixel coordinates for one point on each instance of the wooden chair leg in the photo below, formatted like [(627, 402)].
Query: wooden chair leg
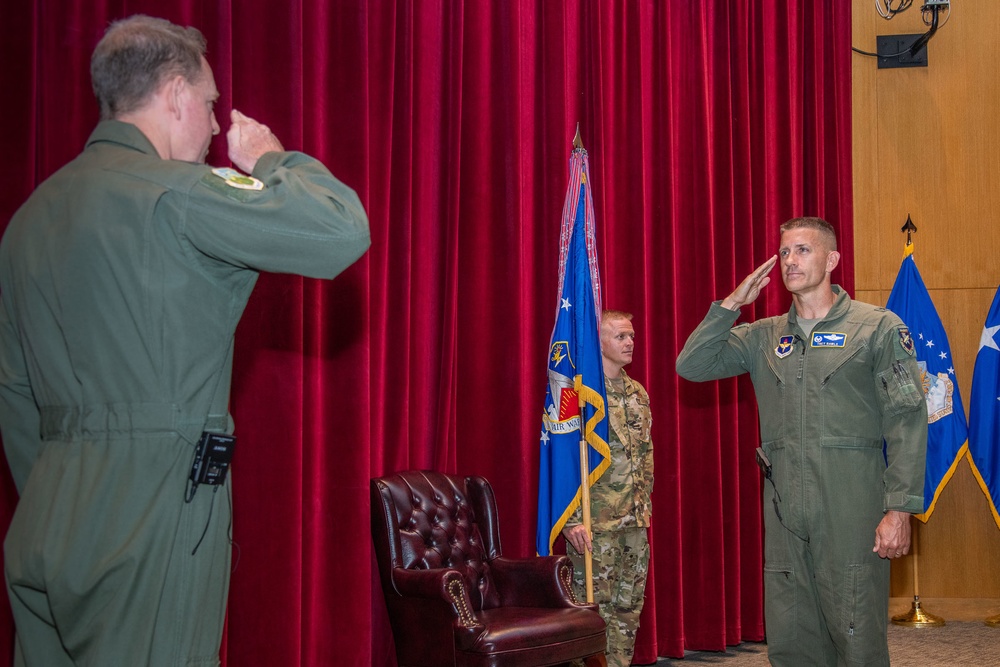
[(596, 660)]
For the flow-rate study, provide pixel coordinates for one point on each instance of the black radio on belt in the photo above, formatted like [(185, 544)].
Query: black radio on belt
[(211, 458)]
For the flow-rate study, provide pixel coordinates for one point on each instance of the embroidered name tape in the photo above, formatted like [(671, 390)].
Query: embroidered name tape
[(828, 339)]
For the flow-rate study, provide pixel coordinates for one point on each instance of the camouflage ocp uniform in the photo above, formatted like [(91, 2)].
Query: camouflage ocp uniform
[(620, 513)]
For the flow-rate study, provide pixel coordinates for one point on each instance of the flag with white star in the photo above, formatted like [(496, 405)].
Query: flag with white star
[(575, 400), (984, 410), (947, 429)]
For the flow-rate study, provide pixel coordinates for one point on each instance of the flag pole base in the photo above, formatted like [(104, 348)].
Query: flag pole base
[(918, 618), (993, 621)]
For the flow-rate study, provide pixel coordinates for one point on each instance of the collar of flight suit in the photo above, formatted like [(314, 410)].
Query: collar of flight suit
[(124, 134), (839, 308)]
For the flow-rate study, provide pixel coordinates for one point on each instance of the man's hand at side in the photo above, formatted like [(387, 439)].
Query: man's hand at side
[(892, 536)]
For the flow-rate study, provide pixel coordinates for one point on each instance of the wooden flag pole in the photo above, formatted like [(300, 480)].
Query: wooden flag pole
[(916, 617), (588, 564)]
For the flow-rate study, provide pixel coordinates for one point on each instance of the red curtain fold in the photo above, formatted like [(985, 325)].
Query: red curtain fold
[(708, 123)]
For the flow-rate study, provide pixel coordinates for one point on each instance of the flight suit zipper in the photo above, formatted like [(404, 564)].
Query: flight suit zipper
[(841, 365)]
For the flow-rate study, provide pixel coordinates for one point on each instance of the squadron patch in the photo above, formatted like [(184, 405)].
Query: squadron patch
[(828, 339), (784, 346), (906, 340), (235, 179)]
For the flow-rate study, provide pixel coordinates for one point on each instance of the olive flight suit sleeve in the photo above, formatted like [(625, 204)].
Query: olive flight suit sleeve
[(302, 221), (19, 415), (904, 418), (715, 349)]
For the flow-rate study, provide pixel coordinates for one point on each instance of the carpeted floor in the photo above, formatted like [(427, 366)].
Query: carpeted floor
[(964, 643)]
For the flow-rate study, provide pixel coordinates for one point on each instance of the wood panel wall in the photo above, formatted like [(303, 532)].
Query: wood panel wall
[(926, 143)]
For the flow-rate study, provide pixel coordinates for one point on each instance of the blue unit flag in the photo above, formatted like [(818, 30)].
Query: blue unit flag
[(575, 400), (947, 429), (984, 410)]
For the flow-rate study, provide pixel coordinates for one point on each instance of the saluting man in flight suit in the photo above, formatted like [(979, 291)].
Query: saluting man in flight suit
[(122, 280), (833, 378)]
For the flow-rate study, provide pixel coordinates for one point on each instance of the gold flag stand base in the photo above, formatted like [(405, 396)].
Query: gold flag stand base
[(993, 621), (918, 618)]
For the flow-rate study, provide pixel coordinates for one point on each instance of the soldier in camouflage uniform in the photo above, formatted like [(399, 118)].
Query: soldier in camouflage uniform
[(619, 500)]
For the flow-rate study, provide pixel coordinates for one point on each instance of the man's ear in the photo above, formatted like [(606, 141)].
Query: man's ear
[(174, 90), (832, 260)]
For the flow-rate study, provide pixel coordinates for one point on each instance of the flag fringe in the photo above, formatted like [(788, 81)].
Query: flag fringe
[(962, 452), (985, 487)]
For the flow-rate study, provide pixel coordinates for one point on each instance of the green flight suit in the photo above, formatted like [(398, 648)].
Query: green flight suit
[(826, 401), (122, 280), (621, 509)]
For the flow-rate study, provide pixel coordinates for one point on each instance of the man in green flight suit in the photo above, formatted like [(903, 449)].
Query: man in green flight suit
[(834, 378), (620, 502), (122, 280)]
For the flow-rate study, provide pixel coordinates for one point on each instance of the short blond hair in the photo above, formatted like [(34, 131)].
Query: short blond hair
[(819, 224), (607, 315)]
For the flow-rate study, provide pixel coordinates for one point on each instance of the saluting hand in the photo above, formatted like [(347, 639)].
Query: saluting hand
[(750, 288), (248, 140)]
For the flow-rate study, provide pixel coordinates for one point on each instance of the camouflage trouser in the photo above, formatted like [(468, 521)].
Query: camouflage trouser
[(620, 564)]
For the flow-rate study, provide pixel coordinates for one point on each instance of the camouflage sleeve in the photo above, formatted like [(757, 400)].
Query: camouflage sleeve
[(645, 468)]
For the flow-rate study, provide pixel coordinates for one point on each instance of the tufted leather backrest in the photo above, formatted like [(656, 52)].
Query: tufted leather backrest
[(434, 520)]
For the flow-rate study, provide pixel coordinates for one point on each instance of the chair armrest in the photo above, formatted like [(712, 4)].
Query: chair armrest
[(443, 584), (441, 593), (546, 581)]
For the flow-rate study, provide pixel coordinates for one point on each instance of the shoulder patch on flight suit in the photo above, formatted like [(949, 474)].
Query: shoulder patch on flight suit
[(235, 179), (233, 186), (906, 340)]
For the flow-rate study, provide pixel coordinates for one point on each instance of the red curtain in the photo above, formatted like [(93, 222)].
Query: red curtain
[(708, 123)]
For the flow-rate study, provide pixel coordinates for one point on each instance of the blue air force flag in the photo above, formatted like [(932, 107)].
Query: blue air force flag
[(984, 410), (575, 400), (947, 429)]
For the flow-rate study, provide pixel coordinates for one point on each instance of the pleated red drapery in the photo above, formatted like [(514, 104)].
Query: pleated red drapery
[(708, 123)]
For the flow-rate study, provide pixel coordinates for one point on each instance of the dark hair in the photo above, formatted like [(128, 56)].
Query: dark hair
[(819, 224), (136, 55)]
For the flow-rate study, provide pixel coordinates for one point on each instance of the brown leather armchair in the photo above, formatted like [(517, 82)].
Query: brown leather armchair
[(453, 599)]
